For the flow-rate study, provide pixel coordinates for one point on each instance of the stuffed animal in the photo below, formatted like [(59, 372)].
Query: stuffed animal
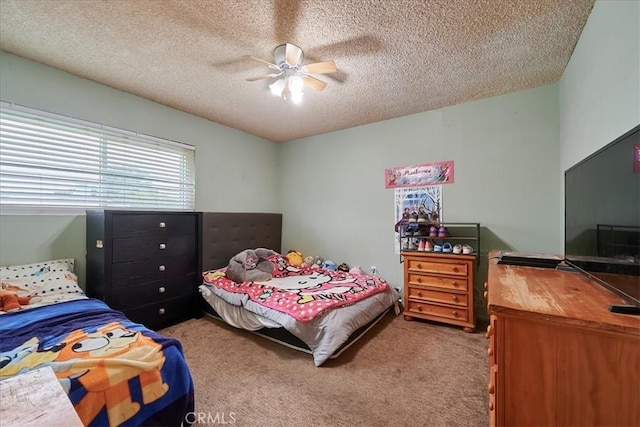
[(251, 266), (294, 257), (343, 267), (356, 270), (317, 262), (11, 301), (308, 261), (329, 265)]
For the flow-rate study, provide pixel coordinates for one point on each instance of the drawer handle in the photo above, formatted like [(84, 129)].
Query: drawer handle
[(455, 284), (163, 246), (419, 280), (455, 313), (489, 331), (161, 311), (419, 266), (485, 294), (419, 293), (455, 298), (419, 308), (162, 268), (491, 406), (455, 269), (491, 389), (490, 351), (486, 285), (162, 225), (161, 289)]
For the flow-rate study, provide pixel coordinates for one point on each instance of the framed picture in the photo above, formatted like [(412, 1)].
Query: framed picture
[(419, 175)]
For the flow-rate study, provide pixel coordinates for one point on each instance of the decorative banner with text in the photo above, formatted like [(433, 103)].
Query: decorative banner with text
[(419, 175)]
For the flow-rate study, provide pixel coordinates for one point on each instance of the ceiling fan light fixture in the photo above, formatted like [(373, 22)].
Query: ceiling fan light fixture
[(296, 96), (277, 87), (296, 83)]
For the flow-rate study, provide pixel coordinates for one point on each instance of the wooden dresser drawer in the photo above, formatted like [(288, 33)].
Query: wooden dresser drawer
[(438, 281), (437, 296), (163, 313), (437, 267), (132, 224), (151, 292), (455, 313), (129, 273), (152, 247)]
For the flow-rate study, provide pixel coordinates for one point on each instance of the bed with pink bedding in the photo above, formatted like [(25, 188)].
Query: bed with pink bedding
[(314, 310)]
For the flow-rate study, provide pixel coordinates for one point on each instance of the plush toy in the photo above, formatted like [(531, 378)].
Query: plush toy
[(251, 266), (308, 261), (356, 270), (317, 262), (294, 257), (11, 301), (343, 267), (329, 265)]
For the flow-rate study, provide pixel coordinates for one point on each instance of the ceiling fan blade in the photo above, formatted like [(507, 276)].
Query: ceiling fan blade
[(293, 55), (318, 85), (266, 76), (320, 67), (269, 64)]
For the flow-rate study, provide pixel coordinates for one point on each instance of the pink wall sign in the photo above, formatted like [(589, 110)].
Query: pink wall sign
[(419, 175), (636, 158)]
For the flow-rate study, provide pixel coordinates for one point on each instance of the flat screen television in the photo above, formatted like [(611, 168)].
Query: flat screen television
[(602, 216)]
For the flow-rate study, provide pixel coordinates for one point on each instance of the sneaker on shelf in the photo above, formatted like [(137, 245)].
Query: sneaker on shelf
[(405, 245), (422, 218), (421, 246), (457, 249), (413, 217), (437, 247), (428, 247), (466, 249), (433, 231), (443, 232), (414, 245), (446, 247)]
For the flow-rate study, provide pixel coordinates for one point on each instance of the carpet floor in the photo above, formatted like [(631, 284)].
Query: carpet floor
[(399, 374)]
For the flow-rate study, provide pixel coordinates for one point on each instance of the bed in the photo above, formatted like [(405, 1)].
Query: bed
[(114, 371), (341, 319)]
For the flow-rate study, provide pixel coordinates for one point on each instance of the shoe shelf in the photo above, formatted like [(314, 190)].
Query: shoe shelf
[(419, 237)]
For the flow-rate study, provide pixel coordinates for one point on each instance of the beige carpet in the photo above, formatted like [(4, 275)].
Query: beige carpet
[(401, 373)]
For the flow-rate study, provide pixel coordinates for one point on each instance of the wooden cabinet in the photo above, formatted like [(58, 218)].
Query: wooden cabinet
[(439, 287), (145, 264), (557, 356)]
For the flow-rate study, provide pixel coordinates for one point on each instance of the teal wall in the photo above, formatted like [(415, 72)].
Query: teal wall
[(510, 153)]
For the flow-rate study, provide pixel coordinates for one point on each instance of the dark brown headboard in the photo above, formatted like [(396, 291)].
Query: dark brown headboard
[(225, 234)]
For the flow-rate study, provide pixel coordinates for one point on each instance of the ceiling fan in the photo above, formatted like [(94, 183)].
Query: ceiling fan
[(291, 73)]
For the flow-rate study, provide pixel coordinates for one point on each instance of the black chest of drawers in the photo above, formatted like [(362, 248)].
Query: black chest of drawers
[(145, 264)]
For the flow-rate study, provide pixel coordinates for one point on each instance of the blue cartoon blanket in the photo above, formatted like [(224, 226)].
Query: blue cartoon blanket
[(115, 372)]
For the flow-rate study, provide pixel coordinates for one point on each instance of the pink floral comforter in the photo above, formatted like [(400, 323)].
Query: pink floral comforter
[(301, 292)]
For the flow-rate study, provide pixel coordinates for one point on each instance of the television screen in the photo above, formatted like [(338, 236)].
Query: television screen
[(602, 215)]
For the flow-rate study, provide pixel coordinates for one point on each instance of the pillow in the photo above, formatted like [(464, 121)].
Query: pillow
[(54, 281)]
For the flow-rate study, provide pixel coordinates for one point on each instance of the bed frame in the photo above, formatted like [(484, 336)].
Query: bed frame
[(225, 234)]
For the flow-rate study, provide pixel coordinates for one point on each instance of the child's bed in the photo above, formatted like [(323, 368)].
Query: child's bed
[(114, 371), (340, 315)]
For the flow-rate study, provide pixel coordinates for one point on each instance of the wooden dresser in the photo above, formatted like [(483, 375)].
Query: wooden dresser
[(557, 356), (145, 264), (439, 287)]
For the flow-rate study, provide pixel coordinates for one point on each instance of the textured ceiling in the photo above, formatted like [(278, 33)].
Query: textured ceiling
[(394, 57)]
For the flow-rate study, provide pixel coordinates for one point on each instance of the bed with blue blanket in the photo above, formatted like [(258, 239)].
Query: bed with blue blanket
[(115, 371)]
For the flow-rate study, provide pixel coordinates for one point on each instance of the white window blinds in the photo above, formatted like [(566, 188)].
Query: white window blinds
[(50, 162)]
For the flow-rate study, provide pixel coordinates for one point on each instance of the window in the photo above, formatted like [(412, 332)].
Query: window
[(51, 163)]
